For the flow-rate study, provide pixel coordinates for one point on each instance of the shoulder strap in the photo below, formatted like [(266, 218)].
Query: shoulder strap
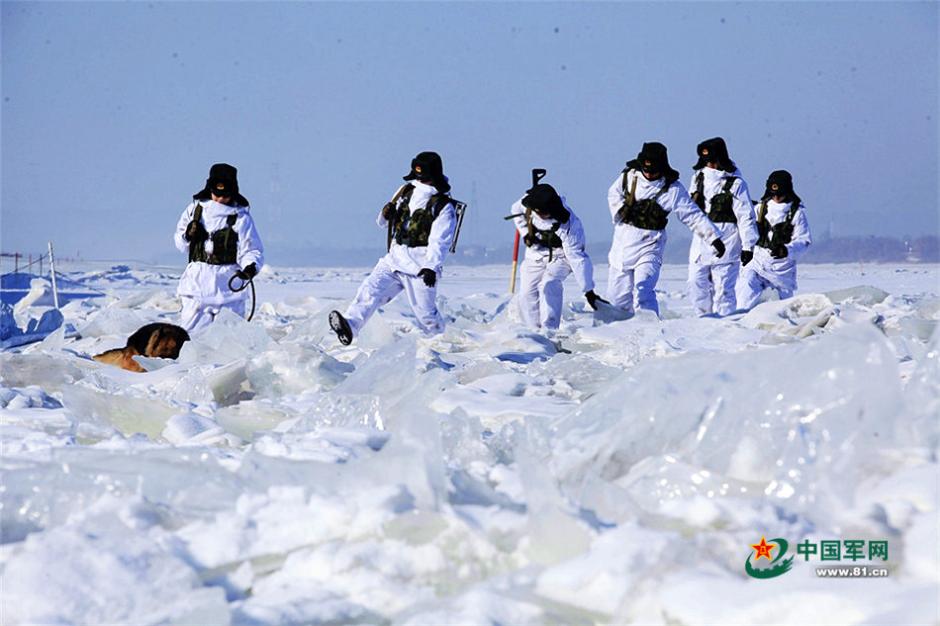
[(529, 226), (794, 207), (729, 183), (698, 195), (762, 212), (197, 213), (629, 198), (403, 193), (231, 219), (437, 202)]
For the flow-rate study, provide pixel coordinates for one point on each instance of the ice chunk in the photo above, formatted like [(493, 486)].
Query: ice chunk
[(923, 397), (42, 494), (100, 571), (811, 410), (518, 345), (781, 314), (39, 295), (51, 372), (129, 412), (294, 368), (190, 428), (600, 579), (482, 606), (247, 417), (114, 322), (374, 376), (228, 338), (8, 325), (864, 295)]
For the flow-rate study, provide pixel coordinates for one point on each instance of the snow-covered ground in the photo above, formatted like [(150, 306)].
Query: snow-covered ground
[(272, 476)]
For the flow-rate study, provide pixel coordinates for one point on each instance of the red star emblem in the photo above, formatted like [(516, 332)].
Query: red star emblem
[(763, 549)]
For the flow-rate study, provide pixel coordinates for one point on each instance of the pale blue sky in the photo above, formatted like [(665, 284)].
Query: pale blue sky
[(113, 112)]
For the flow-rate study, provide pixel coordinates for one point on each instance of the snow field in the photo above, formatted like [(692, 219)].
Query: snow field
[(272, 476)]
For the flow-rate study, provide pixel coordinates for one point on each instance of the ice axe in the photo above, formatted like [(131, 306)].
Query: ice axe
[(537, 175)]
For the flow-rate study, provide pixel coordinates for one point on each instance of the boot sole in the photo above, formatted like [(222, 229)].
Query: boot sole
[(340, 326)]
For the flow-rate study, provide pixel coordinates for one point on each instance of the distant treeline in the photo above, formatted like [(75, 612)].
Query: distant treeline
[(924, 249)]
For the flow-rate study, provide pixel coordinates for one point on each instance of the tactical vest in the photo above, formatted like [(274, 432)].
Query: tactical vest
[(720, 208), (646, 214), (548, 237), (224, 243), (413, 229), (545, 237), (781, 233)]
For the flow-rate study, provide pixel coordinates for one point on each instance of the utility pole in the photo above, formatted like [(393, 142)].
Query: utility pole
[(55, 291)]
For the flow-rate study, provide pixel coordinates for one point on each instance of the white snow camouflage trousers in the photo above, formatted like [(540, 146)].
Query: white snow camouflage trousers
[(711, 287), (197, 315), (381, 286), (752, 284), (642, 277), (541, 290)]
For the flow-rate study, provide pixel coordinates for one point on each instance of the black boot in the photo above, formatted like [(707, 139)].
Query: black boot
[(341, 327)]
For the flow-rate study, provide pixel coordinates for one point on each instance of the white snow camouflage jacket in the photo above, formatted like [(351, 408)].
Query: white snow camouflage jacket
[(735, 236), (209, 283), (409, 260), (572, 238), (631, 245)]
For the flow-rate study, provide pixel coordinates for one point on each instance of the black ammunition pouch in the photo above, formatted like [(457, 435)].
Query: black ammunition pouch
[(647, 214), (778, 234), (781, 233), (414, 229), (546, 238), (721, 206), (224, 246)]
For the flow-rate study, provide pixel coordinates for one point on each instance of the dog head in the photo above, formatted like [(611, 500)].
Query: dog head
[(158, 340)]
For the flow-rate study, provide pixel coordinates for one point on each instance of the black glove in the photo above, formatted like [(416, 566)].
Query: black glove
[(746, 256), (529, 241), (719, 247), (593, 299), (249, 272), (779, 251), (195, 231), (388, 211), (429, 276)]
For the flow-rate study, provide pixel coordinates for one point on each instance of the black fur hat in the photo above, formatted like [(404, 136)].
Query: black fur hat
[(714, 150), (544, 200), (784, 186), (657, 156), (223, 181), (427, 167)]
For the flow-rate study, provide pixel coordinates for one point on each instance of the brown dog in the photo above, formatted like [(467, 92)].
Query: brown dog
[(153, 340)]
